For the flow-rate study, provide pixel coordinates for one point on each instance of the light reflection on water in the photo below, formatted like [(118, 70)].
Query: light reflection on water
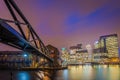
[(85, 72), (88, 72), (23, 76)]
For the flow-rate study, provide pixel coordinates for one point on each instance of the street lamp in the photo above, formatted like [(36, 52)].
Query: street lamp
[(25, 55)]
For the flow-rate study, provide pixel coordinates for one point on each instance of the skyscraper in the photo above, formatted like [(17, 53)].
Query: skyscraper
[(109, 45)]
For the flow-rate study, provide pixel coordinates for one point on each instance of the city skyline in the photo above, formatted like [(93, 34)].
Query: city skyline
[(63, 24)]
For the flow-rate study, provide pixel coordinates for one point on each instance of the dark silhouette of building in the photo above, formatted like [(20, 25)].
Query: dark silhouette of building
[(78, 46), (54, 53)]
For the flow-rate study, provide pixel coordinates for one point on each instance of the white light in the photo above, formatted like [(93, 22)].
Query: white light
[(96, 42), (25, 55)]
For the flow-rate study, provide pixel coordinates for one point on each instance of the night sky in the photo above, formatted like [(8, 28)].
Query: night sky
[(64, 23)]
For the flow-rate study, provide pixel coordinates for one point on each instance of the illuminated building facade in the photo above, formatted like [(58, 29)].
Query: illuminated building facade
[(100, 54), (83, 56), (106, 48), (74, 57), (79, 55), (64, 56), (109, 43)]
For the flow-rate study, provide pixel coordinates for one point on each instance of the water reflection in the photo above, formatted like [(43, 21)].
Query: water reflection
[(31, 75), (40, 74), (85, 72), (23, 76), (89, 72)]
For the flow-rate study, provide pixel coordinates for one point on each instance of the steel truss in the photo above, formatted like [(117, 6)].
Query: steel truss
[(18, 39)]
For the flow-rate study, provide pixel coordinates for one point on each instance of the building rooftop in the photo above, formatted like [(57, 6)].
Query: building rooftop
[(78, 46), (108, 35)]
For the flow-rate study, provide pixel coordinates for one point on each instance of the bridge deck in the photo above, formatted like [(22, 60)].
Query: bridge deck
[(11, 37)]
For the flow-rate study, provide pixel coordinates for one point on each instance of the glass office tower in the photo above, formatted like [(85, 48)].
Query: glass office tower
[(109, 43)]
